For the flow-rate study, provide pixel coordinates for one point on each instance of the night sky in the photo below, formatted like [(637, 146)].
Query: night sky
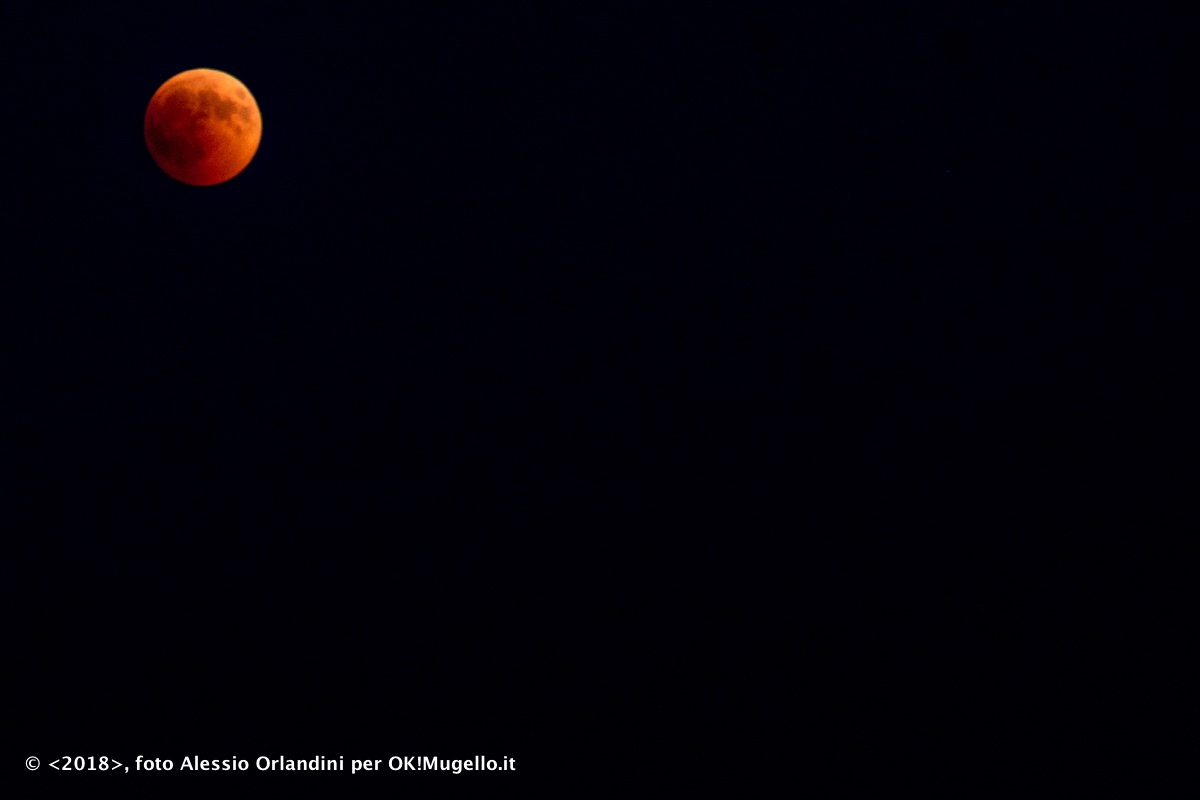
[(589, 383)]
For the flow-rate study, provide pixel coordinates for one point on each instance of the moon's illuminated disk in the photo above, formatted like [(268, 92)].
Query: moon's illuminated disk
[(203, 127)]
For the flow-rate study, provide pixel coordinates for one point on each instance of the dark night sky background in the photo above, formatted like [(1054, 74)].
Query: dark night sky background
[(598, 377)]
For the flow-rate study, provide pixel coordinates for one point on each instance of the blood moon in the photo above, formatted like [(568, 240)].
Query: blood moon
[(203, 127)]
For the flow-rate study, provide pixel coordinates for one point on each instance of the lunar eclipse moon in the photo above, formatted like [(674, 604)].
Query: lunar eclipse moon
[(203, 127)]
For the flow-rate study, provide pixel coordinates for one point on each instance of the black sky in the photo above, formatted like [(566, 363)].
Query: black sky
[(563, 377)]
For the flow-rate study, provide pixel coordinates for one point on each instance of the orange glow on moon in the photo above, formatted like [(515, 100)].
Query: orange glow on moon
[(203, 127)]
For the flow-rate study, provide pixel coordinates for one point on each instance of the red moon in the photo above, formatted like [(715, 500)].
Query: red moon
[(203, 127)]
